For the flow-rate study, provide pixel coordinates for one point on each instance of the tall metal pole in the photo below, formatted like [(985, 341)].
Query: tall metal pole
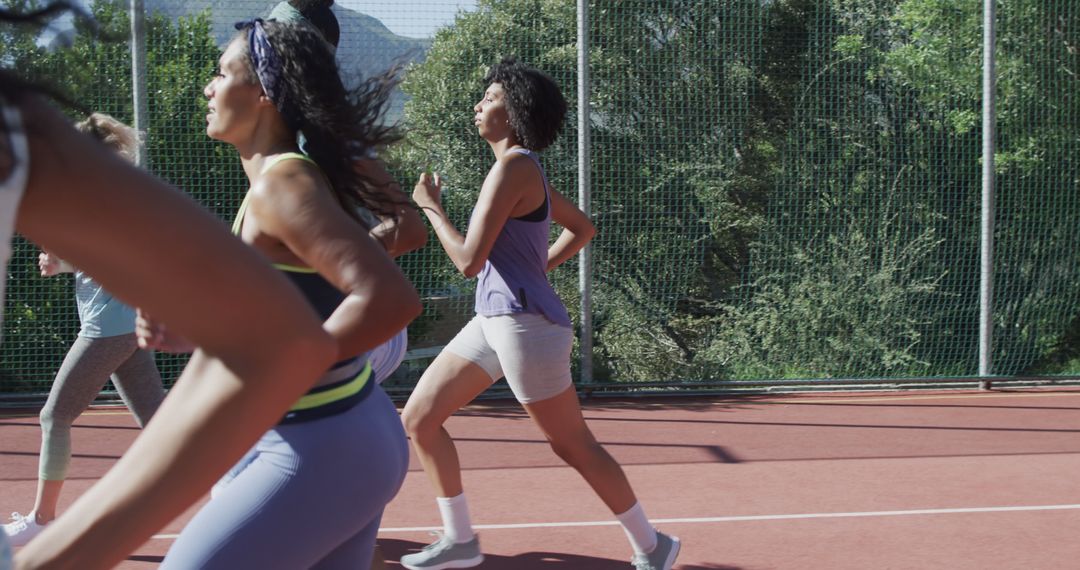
[(138, 78), (986, 237), (584, 195)]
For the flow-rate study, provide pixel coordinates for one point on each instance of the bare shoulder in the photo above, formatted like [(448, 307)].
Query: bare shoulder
[(516, 168), (289, 181), (516, 160)]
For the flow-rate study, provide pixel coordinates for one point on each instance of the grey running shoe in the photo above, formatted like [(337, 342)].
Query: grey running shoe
[(662, 557), (445, 553)]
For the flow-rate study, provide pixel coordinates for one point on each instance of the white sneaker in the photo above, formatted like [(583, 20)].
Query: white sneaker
[(22, 529)]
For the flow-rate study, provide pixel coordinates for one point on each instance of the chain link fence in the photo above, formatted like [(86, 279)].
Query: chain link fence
[(787, 193)]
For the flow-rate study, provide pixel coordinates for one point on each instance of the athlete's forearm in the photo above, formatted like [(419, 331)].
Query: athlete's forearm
[(402, 234), (363, 322), (451, 239), (264, 345), (193, 439), (566, 246)]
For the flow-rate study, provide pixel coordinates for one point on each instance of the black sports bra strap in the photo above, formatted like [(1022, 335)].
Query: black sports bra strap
[(541, 212)]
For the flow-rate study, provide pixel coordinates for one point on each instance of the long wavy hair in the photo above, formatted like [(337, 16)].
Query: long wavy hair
[(339, 125)]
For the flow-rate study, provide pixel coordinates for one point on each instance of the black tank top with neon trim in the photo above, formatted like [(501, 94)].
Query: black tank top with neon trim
[(348, 382), (322, 295)]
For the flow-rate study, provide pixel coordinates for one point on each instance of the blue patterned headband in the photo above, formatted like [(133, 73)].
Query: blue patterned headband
[(268, 67)]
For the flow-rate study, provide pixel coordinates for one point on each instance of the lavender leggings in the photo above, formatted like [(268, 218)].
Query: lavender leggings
[(312, 496)]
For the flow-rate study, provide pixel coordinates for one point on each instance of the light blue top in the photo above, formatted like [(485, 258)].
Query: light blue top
[(514, 278), (100, 313)]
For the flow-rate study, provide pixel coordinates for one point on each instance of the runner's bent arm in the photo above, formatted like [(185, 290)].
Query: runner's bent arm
[(152, 246)]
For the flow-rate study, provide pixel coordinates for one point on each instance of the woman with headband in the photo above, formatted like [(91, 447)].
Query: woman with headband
[(398, 234), (314, 493)]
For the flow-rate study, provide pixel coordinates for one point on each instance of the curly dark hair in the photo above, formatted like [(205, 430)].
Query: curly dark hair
[(340, 125), (536, 107)]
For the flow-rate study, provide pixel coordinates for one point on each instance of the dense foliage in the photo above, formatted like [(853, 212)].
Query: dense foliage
[(783, 189), (791, 189)]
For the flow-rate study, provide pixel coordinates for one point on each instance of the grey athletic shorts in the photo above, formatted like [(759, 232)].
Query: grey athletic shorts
[(532, 352)]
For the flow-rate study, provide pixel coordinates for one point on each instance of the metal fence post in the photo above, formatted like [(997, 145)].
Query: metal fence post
[(584, 196), (986, 237), (138, 78)]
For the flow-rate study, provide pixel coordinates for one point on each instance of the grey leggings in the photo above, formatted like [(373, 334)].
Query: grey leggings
[(86, 368)]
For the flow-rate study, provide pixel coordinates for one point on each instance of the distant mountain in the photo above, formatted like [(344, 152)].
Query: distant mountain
[(367, 46)]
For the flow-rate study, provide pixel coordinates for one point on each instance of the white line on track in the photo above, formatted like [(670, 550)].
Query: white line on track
[(745, 518), (690, 403)]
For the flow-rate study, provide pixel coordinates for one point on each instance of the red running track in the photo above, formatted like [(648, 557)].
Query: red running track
[(951, 481)]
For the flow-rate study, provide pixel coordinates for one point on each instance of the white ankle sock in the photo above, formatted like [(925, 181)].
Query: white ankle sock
[(455, 516), (641, 533)]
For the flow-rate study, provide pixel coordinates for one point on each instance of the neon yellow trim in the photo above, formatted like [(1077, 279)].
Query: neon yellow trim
[(339, 393), (285, 156), (294, 268), (238, 222)]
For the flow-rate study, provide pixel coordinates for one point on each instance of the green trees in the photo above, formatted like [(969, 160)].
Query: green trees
[(40, 320), (783, 189), (791, 188), (670, 94)]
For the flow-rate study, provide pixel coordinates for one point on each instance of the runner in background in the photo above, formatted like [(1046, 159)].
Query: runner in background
[(105, 346), (521, 330)]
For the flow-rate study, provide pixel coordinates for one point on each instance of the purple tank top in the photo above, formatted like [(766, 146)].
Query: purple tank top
[(514, 278)]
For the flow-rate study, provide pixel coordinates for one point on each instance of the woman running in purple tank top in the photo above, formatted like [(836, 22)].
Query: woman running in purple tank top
[(521, 330)]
